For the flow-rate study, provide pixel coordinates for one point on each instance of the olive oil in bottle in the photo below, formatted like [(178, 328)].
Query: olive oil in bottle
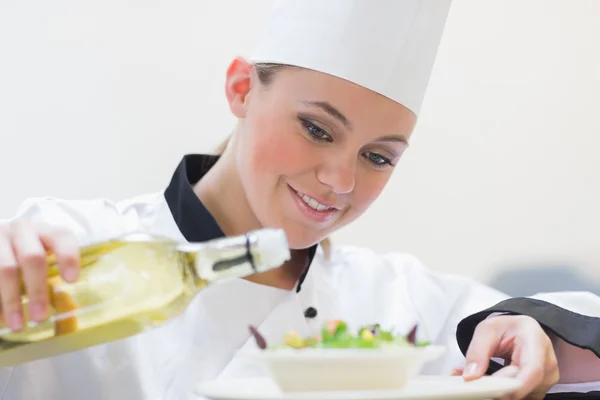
[(132, 284)]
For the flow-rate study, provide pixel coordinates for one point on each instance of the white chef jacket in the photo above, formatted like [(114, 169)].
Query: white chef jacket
[(355, 285)]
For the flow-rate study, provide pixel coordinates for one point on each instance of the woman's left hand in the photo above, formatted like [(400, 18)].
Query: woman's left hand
[(526, 349)]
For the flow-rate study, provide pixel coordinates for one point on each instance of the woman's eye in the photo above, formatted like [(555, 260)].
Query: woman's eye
[(316, 132), (378, 160)]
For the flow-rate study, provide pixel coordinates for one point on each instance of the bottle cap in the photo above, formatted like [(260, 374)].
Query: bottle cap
[(271, 249)]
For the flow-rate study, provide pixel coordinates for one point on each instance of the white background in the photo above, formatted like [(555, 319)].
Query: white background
[(102, 98)]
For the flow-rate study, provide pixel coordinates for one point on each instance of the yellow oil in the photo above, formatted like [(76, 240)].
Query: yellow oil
[(124, 288)]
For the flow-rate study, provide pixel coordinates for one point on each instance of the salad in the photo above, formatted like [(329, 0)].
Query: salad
[(336, 335)]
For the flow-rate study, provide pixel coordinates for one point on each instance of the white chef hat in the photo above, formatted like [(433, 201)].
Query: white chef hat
[(388, 46)]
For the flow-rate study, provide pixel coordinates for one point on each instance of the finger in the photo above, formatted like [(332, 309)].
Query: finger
[(510, 371), (457, 371), (486, 338), (10, 286), (552, 372), (66, 248), (531, 370), (532, 344), (31, 256), (532, 377)]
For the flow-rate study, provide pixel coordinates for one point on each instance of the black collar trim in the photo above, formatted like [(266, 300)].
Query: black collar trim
[(191, 216)]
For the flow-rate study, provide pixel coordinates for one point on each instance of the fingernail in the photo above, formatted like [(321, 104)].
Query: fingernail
[(16, 321), (71, 274), (470, 370), (38, 311)]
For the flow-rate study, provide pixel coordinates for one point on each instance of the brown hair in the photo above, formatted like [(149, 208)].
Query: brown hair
[(266, 73)]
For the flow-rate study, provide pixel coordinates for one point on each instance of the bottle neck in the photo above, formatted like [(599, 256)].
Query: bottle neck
[(231, 257), (237, 256), (234, 264)]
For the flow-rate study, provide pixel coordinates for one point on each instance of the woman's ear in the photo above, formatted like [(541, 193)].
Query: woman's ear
[(237, 85)]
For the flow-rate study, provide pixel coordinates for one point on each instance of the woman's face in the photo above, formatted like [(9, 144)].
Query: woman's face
[(313, 151)]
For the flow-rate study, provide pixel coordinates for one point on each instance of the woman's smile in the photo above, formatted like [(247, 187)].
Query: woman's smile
[(309, 207)]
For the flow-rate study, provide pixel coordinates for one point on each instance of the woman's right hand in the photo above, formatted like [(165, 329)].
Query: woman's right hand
[(23, 253)]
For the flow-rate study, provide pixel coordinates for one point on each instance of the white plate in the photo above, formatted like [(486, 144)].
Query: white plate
[(421, 388)]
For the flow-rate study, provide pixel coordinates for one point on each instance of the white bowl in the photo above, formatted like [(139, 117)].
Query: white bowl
[(345, 369)]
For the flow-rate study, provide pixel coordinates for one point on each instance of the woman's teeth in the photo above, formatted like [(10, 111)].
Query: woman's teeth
[(312, 203)]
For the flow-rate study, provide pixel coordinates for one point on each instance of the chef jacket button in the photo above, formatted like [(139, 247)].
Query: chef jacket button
[(310, 312)]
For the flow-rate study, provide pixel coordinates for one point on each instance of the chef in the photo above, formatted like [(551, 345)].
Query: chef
[(326, 106)]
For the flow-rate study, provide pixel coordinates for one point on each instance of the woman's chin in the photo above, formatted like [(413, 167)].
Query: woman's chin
[(299, 236), (302, 240)]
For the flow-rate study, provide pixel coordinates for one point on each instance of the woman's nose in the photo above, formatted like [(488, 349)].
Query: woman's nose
[(339, 176)]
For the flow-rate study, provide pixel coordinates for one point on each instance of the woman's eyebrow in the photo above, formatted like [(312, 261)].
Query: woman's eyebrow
[(393, 138), (331, 110)]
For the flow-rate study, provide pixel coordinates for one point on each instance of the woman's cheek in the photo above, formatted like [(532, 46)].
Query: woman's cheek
[(282, 151), (369, 189)]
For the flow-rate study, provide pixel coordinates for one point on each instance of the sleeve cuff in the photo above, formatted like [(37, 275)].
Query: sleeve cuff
[(573, 395)]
